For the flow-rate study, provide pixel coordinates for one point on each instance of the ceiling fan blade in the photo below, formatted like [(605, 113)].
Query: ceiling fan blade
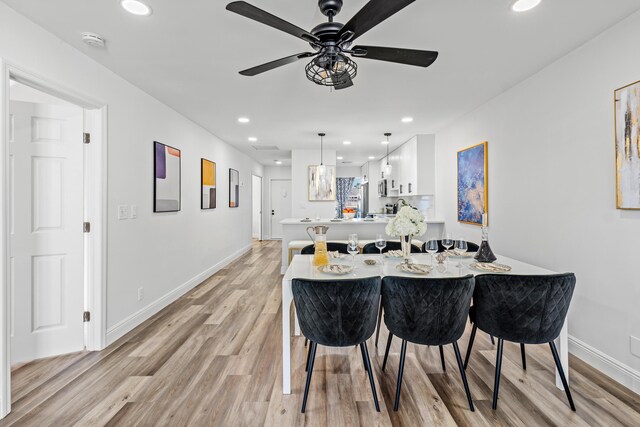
[(419, 58), (248, 11), (371, 14), (343, 83), (275, 64)]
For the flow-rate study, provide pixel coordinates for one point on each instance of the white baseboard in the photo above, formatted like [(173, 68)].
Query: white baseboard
[(625, 375), (128, 324)]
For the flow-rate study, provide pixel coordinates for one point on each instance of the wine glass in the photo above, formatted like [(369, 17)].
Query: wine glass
[(447, 242), (353, 247), (381, 243), (460, 248), (431, 247)]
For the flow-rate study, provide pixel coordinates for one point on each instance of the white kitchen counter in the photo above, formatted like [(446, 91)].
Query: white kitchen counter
[(293, 229)]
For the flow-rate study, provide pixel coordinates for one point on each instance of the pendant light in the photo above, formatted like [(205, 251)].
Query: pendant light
[(387, 168), (321, 168)]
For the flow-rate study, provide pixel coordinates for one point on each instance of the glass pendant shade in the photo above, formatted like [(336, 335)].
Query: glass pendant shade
[(387, 169)]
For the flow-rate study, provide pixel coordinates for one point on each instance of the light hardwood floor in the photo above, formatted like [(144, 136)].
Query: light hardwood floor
[(213, 358)]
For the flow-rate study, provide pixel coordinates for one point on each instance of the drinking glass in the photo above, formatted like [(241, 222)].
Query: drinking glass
[(447, 242), (381, 243), (431, 247), (460, 248), (353, 247)]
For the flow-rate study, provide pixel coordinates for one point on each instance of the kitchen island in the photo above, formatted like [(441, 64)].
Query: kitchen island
[(295, 230)]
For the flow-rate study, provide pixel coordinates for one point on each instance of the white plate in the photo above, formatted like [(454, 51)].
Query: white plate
[(414, 268), (336, 269), (490, 267), (451, 254)]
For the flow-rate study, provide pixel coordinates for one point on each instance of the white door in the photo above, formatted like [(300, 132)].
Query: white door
[(280, 205), (256, 193), (46, 249)]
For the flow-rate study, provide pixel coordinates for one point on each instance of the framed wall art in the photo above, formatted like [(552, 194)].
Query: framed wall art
[(207, 184), (167, 177), (322, 188), (627, 123), (234, 188), (473, 195)]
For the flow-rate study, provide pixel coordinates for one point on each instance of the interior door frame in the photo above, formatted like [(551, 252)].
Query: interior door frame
[(261, 192), (271, 205), (95, 212)]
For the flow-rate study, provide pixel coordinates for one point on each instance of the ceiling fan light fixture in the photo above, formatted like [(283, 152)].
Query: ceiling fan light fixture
[(524, 5), (331, 70)]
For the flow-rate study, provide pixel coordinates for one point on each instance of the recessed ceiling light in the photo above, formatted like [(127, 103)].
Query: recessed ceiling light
[(372, 157), (346, 142), (243, 120), (524, 5), (407, 119), (136, 7), (253, 139), (339, 157), (278, 162)]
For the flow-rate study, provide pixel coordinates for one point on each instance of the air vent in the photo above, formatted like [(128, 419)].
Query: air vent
[(347, 163), (265, 147)]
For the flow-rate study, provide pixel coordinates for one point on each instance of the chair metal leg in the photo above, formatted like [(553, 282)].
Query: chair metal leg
[(556, 358), (463, 374), (444, 366), (379, 322), (306, 367), (306, 341), (403, 353), (306, 387), (365, 356), (493, 342), (473, 337), (386, 352), (364, 360), (496, 384), (524, 357)]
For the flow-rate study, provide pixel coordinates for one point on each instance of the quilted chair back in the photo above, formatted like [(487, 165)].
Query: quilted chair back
[(427, 311), (524, 309), (331, 247), (337, 313), (370, 248)]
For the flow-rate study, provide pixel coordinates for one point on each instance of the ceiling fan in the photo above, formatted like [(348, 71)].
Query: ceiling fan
[(332, 41)]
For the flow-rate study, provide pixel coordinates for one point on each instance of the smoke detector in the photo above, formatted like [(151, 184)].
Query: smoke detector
[(93, 39)]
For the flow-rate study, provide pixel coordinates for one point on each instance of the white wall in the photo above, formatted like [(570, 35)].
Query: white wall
[(348, 171), (552, 189), (271, 172), (159, 252), (301, 206)]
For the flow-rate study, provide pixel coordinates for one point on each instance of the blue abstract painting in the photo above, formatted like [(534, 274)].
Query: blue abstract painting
[(472, 184)]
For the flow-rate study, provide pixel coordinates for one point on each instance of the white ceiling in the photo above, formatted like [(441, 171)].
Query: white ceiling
[(188, 54)]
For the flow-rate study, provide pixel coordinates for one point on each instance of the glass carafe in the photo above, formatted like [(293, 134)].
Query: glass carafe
[(319, 237)]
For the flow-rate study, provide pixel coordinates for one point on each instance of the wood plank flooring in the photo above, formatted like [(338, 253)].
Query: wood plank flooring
[(213, 358)]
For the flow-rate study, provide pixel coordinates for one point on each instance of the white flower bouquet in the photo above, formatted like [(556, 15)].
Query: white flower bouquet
[(408, 222)]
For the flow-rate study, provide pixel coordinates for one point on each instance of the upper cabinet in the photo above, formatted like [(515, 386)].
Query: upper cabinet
[(413, 168)]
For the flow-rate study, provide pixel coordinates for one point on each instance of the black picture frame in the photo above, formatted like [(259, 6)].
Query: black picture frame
[(213, 196), (156, 207)]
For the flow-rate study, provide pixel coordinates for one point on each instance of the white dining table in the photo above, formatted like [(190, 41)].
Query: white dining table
[(301, 268)]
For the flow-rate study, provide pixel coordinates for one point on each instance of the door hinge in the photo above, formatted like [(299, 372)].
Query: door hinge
[(86, 316), (86, 227), (86, 138)]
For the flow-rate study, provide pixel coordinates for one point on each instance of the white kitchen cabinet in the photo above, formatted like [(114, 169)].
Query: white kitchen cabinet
[(416, 163)]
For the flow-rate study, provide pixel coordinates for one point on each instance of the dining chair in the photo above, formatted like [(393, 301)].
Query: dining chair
[(331, 247), (524, 310), (370, 248), (426, 312), (471, 247), (337, 313)]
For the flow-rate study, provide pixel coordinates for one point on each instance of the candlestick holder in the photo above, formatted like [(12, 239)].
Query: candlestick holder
[(485, 254)]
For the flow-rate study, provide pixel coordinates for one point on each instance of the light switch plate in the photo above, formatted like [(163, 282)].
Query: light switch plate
[(123, 212), (134, 211), (634, 345)]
